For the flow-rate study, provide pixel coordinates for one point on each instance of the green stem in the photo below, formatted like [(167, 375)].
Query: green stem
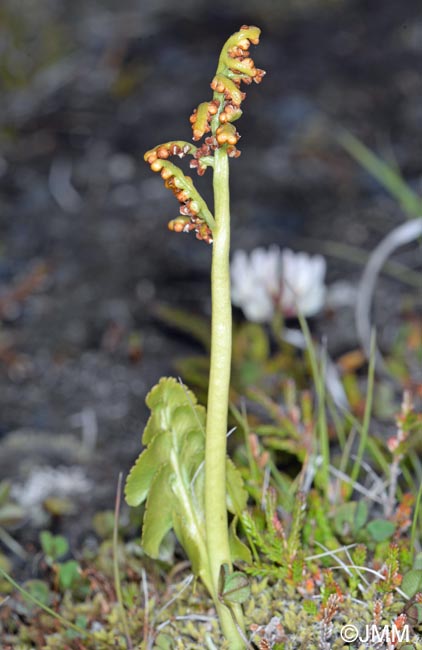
[(116, 568), (32, 599), (216, 524), (364, 433)]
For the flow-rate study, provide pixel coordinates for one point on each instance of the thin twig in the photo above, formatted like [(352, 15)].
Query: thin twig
[(12, 544), (416, 514), (28, 596), (364, 433), (117, 582), (332, 379), (356, 486), (185, 584), (148, 641), (200, 618), (330, 552), (379, 484)]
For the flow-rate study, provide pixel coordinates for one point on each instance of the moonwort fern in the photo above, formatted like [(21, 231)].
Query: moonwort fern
[(169, 476), (184, 474)]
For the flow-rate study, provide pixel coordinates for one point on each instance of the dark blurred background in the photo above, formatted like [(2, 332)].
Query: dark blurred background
[(86, 88)]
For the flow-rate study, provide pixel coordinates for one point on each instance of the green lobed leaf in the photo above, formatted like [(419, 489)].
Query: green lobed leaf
[(163, 400), (417, 563), (39, 590), (81, 622), (142, 473), (160, 505), (192, 453), (361, 515), (169, 392), (186, 420), (68, 574), (175, 416), (412, 582), (197, 488), (234, 587), (168, 475), (53, 546), (350, 517), (155, 424), (380, 529), (238, 550), (190, 543)]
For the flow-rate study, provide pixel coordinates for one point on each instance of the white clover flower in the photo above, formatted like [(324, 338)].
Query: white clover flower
[(255, 282), (302, 278), (270, 279)]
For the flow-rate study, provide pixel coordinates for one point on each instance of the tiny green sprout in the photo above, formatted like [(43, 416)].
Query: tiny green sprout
[(184, 475), (53, 546), (234, 586)]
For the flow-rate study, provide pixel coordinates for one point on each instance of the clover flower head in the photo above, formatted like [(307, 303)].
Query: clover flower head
[(302, 280), (255, 280), (270, 280)]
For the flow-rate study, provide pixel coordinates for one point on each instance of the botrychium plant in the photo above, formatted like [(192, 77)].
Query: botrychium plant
[(183, 474), (332, 540)]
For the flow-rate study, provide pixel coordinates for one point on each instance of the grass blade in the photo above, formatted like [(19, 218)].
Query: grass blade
[(416, 517), (317, 370), (117, 582), (364, 432), (384, 173), (35, 601)]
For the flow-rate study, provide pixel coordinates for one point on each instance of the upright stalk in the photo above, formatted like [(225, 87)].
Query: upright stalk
[(218, 399), (212, 558)]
